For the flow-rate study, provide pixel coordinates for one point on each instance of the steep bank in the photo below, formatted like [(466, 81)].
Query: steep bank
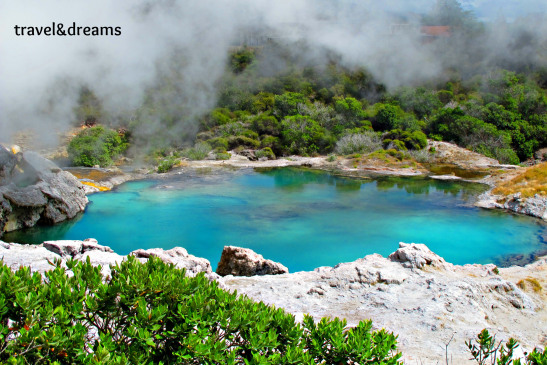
[(413, 292), (34, 189)]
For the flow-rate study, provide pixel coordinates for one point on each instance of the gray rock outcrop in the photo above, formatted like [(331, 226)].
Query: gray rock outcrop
[(416, 255), (179, 257), (535, 206), (417, 295), (40, 257), (239, 261), (34, 189)]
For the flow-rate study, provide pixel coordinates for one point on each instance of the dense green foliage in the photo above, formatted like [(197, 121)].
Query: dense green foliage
[(274, 96), (306, 110), (485, 350), (96, 146), (153, 313)]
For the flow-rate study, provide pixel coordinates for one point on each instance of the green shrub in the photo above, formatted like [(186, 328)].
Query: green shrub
[(266, 124), (265, 152), (350, 111), (445, 96), (399, 155), (388, 116), (167, 164), (241, 59), (222, 156), (406, 140), (231, 129), (219, 142), (263, 101), (237, 141), (366, 142), (250, 134), (287, 104), (153, 313), (485, 350), (394, 144), (96, 146), (303, 135), (198, 152), (205, 136), (218, 116)]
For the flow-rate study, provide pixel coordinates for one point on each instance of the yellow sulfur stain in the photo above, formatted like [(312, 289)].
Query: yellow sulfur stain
[(15, 149), (89, 183)]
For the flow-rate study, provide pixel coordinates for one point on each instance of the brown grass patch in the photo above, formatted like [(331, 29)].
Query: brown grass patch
[(530, 283), (533, 180)]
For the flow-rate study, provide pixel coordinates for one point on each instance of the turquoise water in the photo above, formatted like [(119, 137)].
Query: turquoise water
[(300, 217)]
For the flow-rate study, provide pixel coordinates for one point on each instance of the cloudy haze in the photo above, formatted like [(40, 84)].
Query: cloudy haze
[(40, 76)]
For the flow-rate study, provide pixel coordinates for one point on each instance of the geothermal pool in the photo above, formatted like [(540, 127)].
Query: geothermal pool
[(299, 217)]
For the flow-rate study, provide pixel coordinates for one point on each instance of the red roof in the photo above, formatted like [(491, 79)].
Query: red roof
[(436, 30)]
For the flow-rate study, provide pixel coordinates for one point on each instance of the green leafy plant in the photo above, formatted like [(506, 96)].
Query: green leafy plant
[(96, 146), (265, 152), (153, 313), (198, 152), (167, 164), (485, 350)]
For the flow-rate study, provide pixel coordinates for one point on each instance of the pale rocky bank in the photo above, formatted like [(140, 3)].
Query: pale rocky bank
[(413, 292)]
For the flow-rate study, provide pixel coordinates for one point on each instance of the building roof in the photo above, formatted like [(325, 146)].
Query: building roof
[(436, 30)]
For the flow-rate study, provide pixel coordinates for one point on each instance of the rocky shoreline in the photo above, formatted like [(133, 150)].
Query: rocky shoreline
[(413, 292)]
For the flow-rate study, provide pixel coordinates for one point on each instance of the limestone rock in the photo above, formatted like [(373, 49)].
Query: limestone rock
[(416, 255), (7, 163), (179, 257), (90, 244), (36, 257), (102, 258), (34, 189), (239, 261), (535, 206), (74, 248), (250, 154), (425, 308), (64, 248)]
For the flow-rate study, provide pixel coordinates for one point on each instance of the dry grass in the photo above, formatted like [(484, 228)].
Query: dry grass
[(530, 283), (533, 180)]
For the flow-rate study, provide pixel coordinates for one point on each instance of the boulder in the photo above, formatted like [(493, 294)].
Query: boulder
[(7, 163), (239, 261), (416, 255), (179, 257), (65, 248), (34, 189), (250, 154)]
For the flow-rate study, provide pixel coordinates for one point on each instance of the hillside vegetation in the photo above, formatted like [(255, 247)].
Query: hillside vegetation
[(275, 100)]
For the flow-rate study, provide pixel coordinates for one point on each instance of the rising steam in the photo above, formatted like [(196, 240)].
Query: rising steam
[(40, 76)]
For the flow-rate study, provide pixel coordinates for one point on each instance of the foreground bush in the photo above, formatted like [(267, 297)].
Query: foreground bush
[(96, 146), (153, 313)]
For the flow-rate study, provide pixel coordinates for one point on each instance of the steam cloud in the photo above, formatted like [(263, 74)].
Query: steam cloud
[(40, 76)]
